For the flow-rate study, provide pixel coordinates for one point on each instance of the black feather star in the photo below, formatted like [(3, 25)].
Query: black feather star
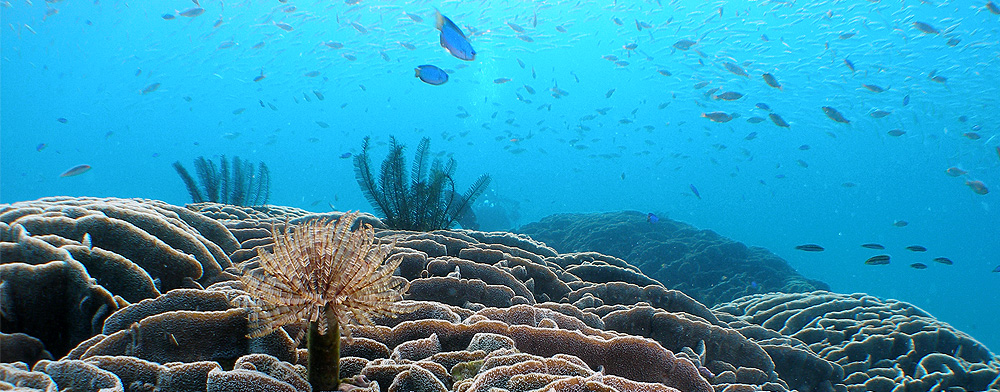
[(425, 202)]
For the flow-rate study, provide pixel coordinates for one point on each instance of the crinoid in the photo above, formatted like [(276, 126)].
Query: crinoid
[(240, 186), (330, 276), (425, 202)]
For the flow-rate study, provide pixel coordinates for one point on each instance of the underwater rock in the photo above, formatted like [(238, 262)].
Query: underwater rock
[(676, 254)]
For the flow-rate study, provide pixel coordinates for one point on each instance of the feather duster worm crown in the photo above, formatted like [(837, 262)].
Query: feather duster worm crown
[(325, 273)]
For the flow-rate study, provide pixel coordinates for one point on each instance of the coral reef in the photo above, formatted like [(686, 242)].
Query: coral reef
[(877, 345), (427, 201), (710, 268), (90, 256), (241, 187), (484, 311)]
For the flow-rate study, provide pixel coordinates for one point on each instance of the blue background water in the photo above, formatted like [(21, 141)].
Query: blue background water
[(88, 63)]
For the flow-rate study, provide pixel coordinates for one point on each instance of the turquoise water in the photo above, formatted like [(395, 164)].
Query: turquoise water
[(89, 62)]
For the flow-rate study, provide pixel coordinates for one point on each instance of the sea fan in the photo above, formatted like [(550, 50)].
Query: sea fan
[(324, 273)]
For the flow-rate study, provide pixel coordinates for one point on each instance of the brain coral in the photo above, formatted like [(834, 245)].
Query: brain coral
[(704, 265)]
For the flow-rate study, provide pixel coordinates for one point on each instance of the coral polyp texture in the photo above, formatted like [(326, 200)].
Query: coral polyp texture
[(484, 312)]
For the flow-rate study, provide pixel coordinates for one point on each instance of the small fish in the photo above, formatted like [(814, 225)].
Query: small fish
[(992, 7), (652, 218), (755, 120), (810, 248), (846, 35), (834, 115), (879, 113), (414, 17), (978, 187), (873, 88), (848, 185), (771, 81), (284, 26), (735, 69), (878, 260), (972, 135), (75, 171), (925, 28), (150, 88), (719, 117), (906, 99), (311, 74), (918, 266), (334, 44), (849, 65), (168, 16), (609, 93), (191, 12), (239, 111), (62, 120), (40, 147), (700, 85), (729, 96), (319, 95), (345, 155), (695, 191), (955, 172), (997, 269), (953, 42), (900, 223), (777, 120), (501, 80), (944, 260), (259, 77), (664, 72), (750, 136), (873, 246), (322, 124), (916, 248), (684, 44), (361, 29), (515, 27), (763, 106), (453, 39), (804, 147), (431, 74), (896, 132)]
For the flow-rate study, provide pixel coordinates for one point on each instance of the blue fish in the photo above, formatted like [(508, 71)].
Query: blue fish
[(453, 39), (997, 269), (431, 75), (652, 218), (695, 191), (345, 155)]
